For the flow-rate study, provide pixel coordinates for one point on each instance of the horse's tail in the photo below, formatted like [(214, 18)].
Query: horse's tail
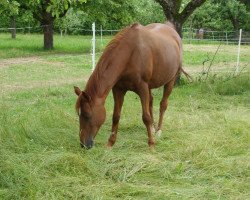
[(186, 74)]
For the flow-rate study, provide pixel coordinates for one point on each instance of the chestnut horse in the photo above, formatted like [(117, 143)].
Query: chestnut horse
[(138, 59)]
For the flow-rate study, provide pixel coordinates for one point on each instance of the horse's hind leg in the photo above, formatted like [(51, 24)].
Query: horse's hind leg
[(143, 92), (151, 109), (118, 101), (164, 104)]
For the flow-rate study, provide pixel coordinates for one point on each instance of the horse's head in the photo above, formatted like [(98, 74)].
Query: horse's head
[(91, 116)]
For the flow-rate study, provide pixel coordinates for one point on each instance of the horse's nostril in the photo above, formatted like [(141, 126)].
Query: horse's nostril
[(81, 145)]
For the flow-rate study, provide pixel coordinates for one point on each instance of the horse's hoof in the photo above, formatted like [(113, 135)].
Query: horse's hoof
[(109, 146), (159, 133), (151, 144), (152, 147)]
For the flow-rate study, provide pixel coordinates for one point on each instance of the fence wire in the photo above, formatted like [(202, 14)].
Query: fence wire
[(190, 35), (196, 66)]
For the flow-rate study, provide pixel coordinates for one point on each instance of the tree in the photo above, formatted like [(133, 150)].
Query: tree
[(147, 12), (115, 14), (10, 8), (112, 14), (177, 11), (236, 12), (221, 15), (46, 11)]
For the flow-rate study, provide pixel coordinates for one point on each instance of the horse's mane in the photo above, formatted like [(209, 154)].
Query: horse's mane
[(103, 63)]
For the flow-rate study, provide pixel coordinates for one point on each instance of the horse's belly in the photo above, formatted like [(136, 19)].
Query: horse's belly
[(162, 74), (158, 81), (165, 66)]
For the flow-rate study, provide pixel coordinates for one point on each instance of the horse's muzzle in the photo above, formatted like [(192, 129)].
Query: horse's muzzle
[(89, 144)]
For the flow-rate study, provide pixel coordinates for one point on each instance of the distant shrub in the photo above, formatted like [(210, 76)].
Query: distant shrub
[(227, 85), (234, 86)]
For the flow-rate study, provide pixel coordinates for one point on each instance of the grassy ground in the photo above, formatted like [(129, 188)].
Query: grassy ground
[(203, 152)]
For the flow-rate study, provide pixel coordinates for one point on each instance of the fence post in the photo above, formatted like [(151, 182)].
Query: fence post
[(238, 56), (93, 47), (226, 38)]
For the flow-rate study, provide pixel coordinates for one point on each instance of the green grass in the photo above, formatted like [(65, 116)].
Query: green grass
[(32, 44), (203, 152)]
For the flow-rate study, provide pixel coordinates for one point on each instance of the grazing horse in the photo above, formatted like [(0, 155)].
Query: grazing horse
[(138, 59)]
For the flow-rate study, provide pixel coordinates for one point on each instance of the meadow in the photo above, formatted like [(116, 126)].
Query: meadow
[(203, 152)]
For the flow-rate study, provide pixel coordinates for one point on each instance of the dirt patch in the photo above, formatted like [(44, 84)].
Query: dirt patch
[(6, 88), (13, 61), (216, 68), (5, 63), (228, 49)]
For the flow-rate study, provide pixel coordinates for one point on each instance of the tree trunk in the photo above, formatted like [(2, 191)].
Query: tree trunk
[(47, 24), (178, 26), (13, 27), (171, 10), (48, 36)]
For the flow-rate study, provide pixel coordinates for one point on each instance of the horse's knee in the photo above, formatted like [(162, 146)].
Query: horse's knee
[(146, 119)]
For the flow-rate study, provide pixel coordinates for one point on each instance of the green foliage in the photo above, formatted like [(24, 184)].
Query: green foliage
[(147, 12), (234, 86), (111, 13), (9, 7), (57, 7), (73, 21), (117, 14), (114, 15), (221, 15), (237, 13)]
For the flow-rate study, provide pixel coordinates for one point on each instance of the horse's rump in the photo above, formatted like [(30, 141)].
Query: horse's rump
[(156, 55)]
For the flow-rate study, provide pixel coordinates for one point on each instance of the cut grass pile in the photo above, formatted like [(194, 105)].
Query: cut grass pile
[(203, 152)]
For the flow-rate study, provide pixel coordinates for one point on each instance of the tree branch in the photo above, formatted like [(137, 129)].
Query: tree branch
[(189, 9), (65, 11), (168, 8)]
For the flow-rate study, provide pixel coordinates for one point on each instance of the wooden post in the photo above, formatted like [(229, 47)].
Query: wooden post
[(226, 38), (13, 27)]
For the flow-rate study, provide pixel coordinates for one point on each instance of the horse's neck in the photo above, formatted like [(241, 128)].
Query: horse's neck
[(105, 77)]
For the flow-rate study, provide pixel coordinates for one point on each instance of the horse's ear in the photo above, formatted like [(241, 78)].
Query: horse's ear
[(86, 96), (77, 90)]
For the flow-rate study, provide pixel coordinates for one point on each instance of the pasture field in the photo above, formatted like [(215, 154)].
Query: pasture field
[(203, 152)]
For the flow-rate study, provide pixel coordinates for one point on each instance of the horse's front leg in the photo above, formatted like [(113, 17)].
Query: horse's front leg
[(143, 92), (118, 96)]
